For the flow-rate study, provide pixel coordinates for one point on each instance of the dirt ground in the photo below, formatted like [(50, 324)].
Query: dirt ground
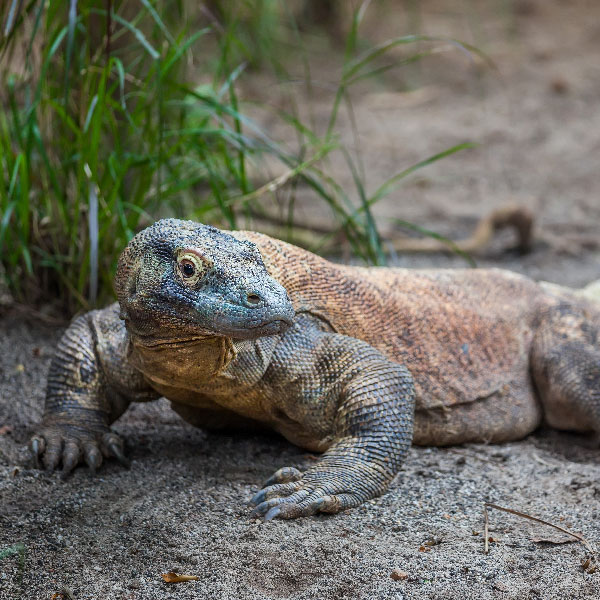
[(182, 505)]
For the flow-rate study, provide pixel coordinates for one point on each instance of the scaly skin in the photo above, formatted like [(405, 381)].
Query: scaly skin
[(241, 330)]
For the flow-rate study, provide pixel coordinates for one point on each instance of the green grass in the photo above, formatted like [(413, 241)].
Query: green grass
[(104, 128), (19, 551)]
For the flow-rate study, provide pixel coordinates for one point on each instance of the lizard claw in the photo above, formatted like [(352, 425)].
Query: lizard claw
[(70, 458), (36, 447), (114, 447), (116, 451), (70, 444)]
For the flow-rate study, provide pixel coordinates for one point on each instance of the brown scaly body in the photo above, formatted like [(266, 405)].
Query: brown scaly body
[(241, 330)]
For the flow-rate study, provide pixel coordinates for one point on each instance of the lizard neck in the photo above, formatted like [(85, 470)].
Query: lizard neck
[(211, 365), (184, 362)]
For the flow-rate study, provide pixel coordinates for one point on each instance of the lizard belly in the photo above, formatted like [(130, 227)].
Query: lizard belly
[(248, 412), (249, 404), (510, 413)]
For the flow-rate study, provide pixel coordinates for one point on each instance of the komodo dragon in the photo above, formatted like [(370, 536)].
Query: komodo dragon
[(241, 330)]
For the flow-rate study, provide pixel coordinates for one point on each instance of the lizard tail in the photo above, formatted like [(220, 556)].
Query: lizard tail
[(590, 292)]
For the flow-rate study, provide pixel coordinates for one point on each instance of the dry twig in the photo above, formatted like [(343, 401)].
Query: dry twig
[(589, 565)]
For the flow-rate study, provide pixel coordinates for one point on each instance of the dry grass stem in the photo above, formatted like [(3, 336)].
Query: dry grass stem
[(590, 563)]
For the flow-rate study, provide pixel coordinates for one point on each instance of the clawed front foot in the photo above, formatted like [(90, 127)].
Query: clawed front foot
[(289, 494), (54, 444)]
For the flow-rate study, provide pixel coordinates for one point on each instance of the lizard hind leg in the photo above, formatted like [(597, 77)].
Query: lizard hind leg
[(566, 370)]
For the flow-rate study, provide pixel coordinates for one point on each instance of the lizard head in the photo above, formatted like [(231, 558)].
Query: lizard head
[(178, 279)]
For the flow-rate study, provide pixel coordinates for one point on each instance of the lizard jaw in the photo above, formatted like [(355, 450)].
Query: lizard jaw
[(275, 327)]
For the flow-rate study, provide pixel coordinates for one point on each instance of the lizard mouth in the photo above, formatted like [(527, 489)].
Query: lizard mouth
[(273, 327), (153, 342)]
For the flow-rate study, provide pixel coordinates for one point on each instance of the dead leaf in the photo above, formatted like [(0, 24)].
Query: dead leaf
[(398, 575), (424, 549), (554, 538), (5, 429), (62, 595), (172, 577), (589, 565)]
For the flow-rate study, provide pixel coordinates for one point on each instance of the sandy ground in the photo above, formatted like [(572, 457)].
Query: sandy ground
[(182, 506)]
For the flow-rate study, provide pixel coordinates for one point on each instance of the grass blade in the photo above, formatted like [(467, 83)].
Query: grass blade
[(392, 182), (141, 38), (436, 236), (70, 44)]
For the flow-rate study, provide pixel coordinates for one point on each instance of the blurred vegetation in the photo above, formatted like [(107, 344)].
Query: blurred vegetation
[(114, 114)]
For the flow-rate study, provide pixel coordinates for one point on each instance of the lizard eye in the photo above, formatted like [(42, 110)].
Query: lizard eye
[(187, 268), (191, 267)]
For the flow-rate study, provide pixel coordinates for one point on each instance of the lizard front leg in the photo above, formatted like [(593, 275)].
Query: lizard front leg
[(360, 403), (90, 384)]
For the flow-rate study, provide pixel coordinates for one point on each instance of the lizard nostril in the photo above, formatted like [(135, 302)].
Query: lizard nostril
[(253, 299)]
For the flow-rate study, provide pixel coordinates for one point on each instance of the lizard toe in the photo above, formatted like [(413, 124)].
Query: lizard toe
[(92, 456), (70, 457), (311, 506), (278, 489), (336, 503), (284, 475), (305, 507), (53, 452), (264, 507)]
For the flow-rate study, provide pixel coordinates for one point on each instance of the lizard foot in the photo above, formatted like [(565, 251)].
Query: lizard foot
[(288, 495), (69, 444)]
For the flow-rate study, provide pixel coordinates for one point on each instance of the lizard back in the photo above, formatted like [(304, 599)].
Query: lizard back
[(465, 334)]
